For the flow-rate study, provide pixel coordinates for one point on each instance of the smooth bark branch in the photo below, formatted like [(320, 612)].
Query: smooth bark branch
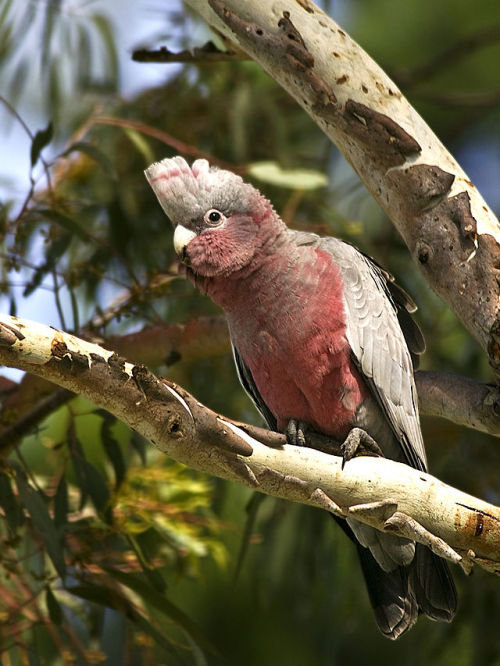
[(459, 399), (388, 495), (451, 232)]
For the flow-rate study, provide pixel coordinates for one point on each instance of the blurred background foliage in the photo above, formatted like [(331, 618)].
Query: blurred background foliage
[(110, 553)]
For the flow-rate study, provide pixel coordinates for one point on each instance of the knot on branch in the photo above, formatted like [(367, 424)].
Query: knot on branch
[(9, 335)]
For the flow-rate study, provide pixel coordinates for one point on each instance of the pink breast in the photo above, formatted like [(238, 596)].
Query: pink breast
[(299, 356)]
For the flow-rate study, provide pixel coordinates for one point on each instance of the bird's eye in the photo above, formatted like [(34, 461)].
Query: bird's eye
[(214, 218)]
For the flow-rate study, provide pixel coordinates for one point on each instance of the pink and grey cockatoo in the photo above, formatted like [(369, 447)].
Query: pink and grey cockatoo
[(322, 340)]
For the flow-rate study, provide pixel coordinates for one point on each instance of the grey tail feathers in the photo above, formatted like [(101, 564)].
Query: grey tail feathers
[(400, 596)]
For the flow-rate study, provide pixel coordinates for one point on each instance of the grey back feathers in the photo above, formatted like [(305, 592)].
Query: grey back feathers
[(378, 344)]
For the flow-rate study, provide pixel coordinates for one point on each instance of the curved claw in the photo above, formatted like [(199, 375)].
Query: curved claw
[(359, 443)]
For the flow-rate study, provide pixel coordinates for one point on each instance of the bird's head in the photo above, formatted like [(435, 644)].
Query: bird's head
[(220, 221)]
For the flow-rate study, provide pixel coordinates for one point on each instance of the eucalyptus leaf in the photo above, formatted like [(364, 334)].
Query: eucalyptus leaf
[(95, 154), (65, 222), (159, 601), (9, 503), (61, 504), (43, 523), (54, 607), (113, 450), (41, 139), (112, 598), (296, 179)]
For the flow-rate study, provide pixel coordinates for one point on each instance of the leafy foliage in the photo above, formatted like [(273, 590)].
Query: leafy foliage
[(109, 552)]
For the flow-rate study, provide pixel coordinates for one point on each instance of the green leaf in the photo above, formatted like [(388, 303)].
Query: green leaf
[(111, 598), (43, 523), (297, 179), (252, 510), (61, 507), (153, 575), (105, 30), (41, 139), (9, 503), (53, 606), (94, 153), (65, 222), (95, 485), (77, 454), (89, 478), (113, 449), (141, 144), (55, 251), (139, 443), (159, 601)]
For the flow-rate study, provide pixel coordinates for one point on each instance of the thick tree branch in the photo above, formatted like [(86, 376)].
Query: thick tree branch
[(459, 399), (388, 495), (451, 232)]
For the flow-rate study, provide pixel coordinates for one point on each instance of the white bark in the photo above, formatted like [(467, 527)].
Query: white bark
[(451, 232), (388, 495)]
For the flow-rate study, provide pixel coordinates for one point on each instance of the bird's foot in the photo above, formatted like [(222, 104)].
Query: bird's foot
[(359, 443), (296, 432)]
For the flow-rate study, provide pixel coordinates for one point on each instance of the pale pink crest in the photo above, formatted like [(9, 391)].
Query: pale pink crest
[(188, 192)]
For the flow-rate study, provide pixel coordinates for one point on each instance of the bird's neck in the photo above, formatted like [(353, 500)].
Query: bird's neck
[(250, 285)]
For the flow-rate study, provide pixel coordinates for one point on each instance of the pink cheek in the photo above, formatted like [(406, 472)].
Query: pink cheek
[(219, 251), (204, 256)]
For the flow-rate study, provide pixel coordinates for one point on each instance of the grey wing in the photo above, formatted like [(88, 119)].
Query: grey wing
[(377, 341), (246, 379)]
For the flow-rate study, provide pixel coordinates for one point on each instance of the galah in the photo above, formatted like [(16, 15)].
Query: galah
[(322, 341)]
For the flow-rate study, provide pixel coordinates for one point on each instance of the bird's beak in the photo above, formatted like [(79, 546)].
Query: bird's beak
[(182, 237)]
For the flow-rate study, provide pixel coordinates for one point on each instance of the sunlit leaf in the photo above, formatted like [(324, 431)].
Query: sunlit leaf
[(41, 139), (297, 179), (141, 144)]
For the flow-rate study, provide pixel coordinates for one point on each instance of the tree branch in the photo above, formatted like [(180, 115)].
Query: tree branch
[(459, 399), (452, 234), (388, 495)]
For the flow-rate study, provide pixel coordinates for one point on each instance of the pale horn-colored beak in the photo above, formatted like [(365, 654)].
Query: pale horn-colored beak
[(182, 238)]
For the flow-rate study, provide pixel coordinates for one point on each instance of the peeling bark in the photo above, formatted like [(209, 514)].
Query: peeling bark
[(23, 406), (385, 494), (452, 234)]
